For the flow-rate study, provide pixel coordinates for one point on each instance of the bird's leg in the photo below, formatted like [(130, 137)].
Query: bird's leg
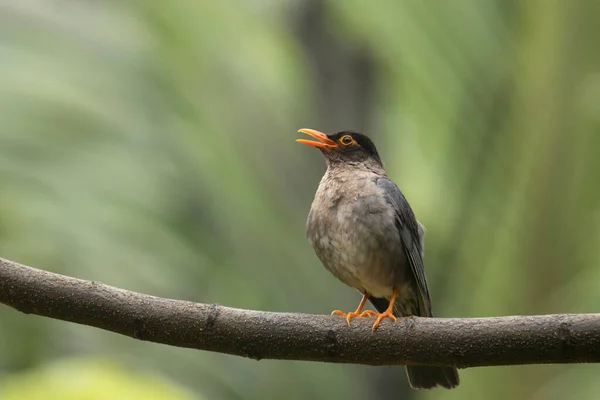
[(387, 313), (356, 313)]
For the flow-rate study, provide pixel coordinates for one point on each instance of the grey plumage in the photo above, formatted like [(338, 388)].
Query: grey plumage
[(364, 232)]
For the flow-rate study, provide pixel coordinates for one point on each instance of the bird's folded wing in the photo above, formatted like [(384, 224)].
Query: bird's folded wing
[(411, 233)]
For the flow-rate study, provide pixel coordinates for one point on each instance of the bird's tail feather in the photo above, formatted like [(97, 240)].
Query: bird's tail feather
[(430, 377), (421, 377)]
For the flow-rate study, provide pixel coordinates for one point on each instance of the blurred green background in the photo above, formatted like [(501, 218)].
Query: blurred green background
[(150, 145)]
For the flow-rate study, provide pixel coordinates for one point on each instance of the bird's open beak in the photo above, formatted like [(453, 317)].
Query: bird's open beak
[(323, 143)]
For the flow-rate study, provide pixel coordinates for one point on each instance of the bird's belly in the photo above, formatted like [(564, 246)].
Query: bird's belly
[(361, 257)]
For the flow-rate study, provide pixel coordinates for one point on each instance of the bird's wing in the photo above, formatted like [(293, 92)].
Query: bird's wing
[(412, 235)]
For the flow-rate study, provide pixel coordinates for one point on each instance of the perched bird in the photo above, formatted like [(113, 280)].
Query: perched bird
[(365, 233)]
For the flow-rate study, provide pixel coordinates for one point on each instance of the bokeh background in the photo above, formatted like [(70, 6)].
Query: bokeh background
[(150, 145)]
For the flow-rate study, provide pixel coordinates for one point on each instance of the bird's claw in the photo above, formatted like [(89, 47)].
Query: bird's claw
[(380, 317), (353, 314), (368, 313)]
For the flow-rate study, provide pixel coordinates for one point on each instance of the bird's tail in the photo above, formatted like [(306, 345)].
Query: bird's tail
[(430, 377), (420, 377)]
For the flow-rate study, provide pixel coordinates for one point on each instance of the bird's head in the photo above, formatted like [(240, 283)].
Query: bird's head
[(344, 147)]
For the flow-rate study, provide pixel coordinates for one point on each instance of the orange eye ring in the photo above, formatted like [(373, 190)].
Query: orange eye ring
[(346, 140)]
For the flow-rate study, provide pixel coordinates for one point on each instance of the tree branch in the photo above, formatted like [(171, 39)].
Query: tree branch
[(464, 342)]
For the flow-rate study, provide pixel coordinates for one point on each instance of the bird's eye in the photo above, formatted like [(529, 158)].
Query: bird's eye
[(346, 140)]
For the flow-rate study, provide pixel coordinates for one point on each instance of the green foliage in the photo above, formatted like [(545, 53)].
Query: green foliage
[(89, 379)]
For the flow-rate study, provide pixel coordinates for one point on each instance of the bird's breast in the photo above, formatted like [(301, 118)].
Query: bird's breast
[(351, 228)]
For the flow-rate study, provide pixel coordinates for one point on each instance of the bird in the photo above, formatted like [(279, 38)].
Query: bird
[(364, 232)]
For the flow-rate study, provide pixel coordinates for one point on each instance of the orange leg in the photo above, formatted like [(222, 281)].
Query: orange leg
[(356, 313), (387, 313)]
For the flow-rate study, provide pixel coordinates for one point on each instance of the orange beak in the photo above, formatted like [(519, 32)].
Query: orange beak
[(323, 143)]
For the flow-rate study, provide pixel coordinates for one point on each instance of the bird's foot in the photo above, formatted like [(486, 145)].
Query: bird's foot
[(380, 317), (368, 313), (350, 315)]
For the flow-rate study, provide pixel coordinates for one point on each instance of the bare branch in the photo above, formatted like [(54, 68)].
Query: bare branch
[(464, 342)]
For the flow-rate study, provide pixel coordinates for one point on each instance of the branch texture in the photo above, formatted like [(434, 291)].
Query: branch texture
[(464, 342)]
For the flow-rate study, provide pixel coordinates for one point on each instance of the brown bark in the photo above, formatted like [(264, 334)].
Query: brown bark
[(466, 342)]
